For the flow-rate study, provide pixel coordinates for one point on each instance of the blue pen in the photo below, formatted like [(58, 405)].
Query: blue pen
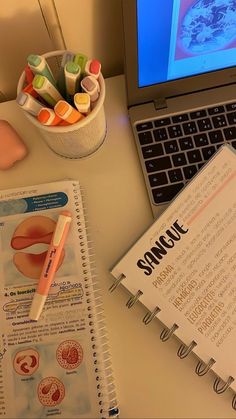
[(39, 65)]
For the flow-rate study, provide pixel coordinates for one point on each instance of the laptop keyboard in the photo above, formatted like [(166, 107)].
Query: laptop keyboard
[(174, 148)]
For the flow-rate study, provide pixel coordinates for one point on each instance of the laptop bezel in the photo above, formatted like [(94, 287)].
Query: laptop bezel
[(138, 95)]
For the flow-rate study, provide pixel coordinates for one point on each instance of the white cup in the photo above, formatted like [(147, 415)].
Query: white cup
[(76, 140)]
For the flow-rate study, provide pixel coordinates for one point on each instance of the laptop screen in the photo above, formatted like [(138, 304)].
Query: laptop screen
[(181, 38)]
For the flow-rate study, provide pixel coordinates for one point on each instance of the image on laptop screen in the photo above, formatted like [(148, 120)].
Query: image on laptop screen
[(182, 38)]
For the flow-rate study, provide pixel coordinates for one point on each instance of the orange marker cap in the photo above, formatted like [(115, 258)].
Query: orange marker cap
[(65, 111)]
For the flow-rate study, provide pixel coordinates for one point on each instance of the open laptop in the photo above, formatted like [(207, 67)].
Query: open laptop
[(180, 66)]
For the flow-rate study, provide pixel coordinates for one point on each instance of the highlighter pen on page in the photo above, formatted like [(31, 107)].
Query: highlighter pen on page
[(67, 56), (46, 90), (39, 65), (48, 117), (65, 111), (91, 86), (81, 60), (72, 73), (82, 102), (50, 264), (29, 103), (93, 68)]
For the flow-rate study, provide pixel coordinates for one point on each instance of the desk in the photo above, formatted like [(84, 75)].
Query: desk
[(152, 382)]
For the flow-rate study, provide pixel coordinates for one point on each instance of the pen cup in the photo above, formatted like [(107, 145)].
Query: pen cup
[(77, 140)]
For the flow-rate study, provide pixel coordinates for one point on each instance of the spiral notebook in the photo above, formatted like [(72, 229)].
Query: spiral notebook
[(59, 366), (182, 269)]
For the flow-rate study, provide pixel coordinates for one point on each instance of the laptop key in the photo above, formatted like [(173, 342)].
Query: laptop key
[(230, 133), (160, 134), (162, 122), (216, 136), (204, 124), (175, 131), (180, 118), (145, 137), (231, 118), (154, 150), (159, 164), (219, 121), (171, 146), (216, 109), (198, 114), (231, 106), (189, 171), (208, 152), (175, 175), (179, 159), (186, 143), (158, 179), (144, 126), (189, 127), (233, 144), (166, 193), (200, 140), (194, 156)]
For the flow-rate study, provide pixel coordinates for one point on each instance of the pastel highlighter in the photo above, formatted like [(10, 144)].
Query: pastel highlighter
[(32, 231), (48, 117), (67, 112), (12, 148)]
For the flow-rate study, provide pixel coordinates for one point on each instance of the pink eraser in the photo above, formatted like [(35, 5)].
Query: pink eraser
[(12, 147)]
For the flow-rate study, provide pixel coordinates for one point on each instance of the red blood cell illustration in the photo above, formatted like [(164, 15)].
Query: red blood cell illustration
[(51, 391), (26, 362), (69, 354), (33, 230)]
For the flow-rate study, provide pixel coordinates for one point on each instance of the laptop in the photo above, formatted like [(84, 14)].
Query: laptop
[(180, 68)]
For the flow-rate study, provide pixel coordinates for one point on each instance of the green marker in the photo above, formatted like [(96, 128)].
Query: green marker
[(46, 90), (81, 60), (39, 65)]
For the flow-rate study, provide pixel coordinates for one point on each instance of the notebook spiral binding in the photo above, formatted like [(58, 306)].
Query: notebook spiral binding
[(96, 320), (219, 386)]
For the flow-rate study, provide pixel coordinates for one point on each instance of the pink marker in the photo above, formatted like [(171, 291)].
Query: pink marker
[(93, 68), (50, 264)]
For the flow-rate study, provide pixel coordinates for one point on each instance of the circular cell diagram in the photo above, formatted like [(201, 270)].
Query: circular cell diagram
[(69, 354), (26, 362), (51, 391), (208, 25), (33, 230)]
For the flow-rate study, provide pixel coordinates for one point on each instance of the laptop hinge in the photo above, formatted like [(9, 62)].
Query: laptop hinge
[(160, 103)]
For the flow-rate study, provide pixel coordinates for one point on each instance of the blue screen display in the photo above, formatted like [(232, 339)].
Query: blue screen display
[(181, 38)]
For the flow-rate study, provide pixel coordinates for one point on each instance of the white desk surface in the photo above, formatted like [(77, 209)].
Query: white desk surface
[(152, 382)]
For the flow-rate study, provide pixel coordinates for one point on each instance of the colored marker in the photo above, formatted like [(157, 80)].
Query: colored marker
[(29, 75), (91, 86), (67, 56), (29, 89), (48, 117), (93, 68), (72, 77), (65, 111), (82, 102), (46, 90), (50, 264), (29, 103), (39, 65), (81, 60)]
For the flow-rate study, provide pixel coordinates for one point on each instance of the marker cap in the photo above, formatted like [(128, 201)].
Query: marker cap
[(34, 60), (37, 306), (72, 67)]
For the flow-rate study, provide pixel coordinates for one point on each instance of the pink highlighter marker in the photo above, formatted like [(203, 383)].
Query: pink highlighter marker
[(50, 264)]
